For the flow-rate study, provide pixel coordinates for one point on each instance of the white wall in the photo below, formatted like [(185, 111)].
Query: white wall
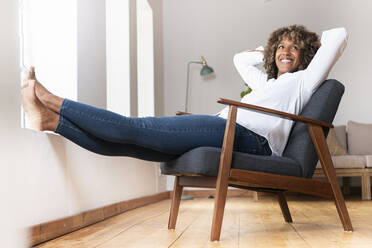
[(219, 29), (11, 235), (145, 59), (91, 52), (43, 176), (157, 10), (51, 45), (118, 64)]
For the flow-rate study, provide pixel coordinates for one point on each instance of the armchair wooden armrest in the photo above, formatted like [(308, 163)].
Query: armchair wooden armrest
[(275, 112)]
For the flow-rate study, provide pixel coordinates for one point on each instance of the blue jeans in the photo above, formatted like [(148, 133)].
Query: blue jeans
[(149, 138)]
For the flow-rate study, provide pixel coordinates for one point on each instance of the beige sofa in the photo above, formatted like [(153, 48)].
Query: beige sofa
[(351, 150)]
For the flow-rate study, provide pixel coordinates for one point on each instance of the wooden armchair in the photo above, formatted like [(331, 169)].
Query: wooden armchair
[(291, 172)]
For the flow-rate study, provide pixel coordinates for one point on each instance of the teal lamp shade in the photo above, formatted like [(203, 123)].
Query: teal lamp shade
[(206, 70)]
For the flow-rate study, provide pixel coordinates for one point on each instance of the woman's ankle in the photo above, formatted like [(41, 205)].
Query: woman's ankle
[(52, 102), (49, 100)]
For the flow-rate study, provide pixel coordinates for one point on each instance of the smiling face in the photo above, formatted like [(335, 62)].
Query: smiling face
[(287, 56)]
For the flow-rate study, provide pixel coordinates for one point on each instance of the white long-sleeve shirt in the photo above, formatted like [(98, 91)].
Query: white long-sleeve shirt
[(289, 93)]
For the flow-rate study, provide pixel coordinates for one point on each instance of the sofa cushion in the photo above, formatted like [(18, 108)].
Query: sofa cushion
[(340, 132), (348, 161), (369, 161), (334, 146), (359, 138)]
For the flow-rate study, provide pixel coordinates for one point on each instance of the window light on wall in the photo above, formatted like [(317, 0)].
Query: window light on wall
[(47, 41)]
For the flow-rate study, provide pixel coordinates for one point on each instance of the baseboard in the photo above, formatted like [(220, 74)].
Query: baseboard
[(53, 229), (50, 230)]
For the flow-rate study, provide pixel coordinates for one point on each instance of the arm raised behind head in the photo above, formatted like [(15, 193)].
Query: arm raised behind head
[(333, 43)]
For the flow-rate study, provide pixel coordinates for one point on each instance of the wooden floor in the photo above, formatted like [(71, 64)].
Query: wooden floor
[(247, 223)]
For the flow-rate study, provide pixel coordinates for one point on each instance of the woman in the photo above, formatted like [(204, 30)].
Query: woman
[(295, 68)]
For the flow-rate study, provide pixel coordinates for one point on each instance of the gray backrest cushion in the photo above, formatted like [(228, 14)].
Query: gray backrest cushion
[(322, 106)]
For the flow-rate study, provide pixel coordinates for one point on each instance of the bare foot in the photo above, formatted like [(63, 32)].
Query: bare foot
[(38, 116), (49, 100)]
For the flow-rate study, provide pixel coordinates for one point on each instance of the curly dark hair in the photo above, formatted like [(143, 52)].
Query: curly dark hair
[(308, 43)]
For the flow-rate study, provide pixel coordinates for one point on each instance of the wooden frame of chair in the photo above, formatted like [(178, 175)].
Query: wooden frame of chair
[(259, 181)]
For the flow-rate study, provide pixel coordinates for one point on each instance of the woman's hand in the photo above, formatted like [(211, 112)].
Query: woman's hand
[(318, 43)]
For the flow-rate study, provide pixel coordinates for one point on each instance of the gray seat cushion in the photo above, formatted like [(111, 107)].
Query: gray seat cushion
[(205, 161)]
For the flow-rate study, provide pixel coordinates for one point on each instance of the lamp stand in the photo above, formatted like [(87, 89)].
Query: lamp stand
[(188, 81)]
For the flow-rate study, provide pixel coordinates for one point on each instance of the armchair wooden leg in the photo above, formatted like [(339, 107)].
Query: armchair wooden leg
[(219, 208), (321, 147), (284, 207), (176, 199), (223, 174)]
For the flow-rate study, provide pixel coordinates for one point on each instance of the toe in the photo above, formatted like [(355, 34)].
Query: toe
[(31, 73)]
